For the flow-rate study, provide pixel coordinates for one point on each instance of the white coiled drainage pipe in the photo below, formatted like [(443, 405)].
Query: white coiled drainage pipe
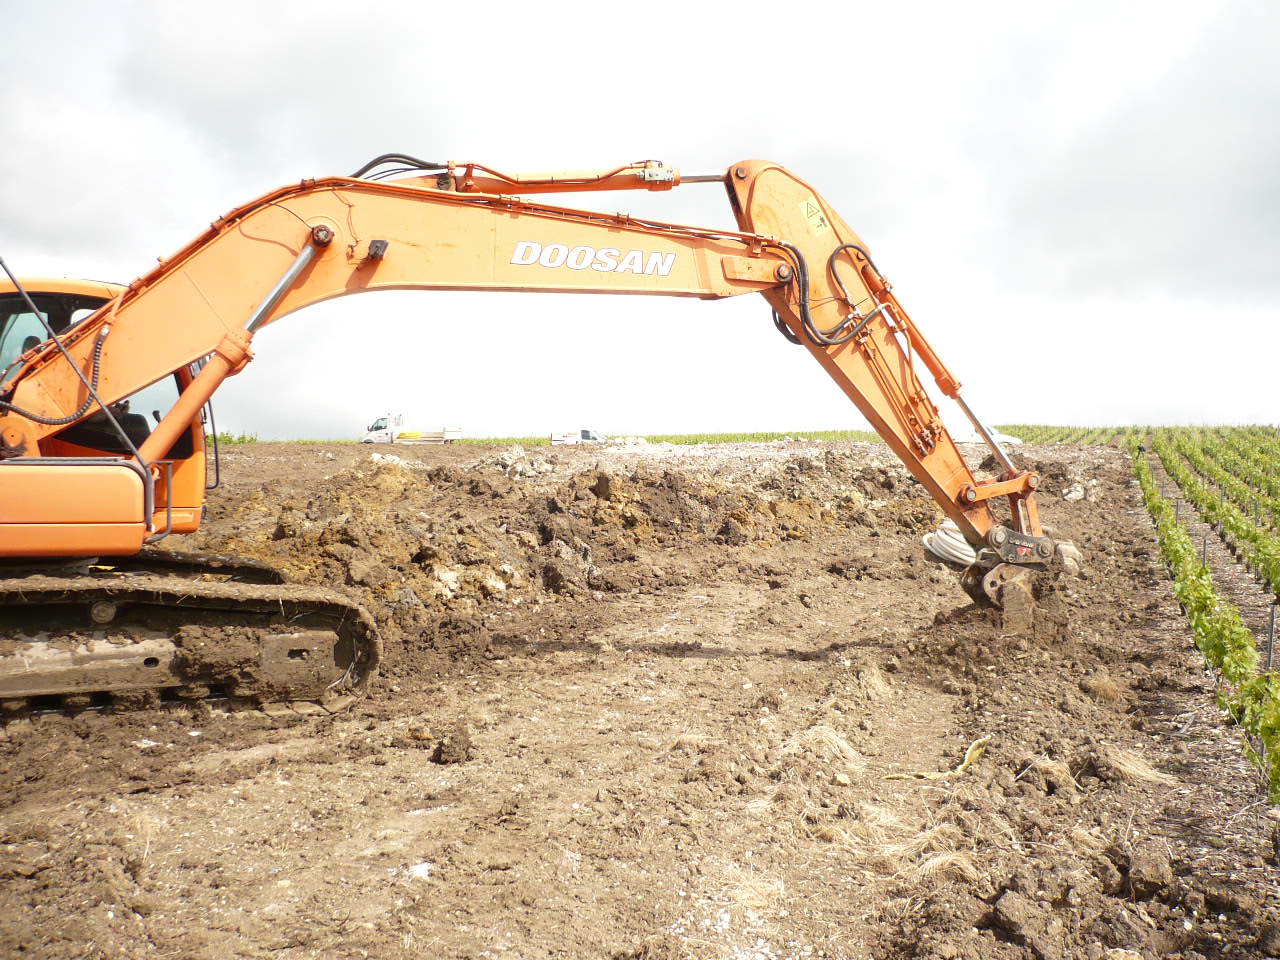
[(947, 543)]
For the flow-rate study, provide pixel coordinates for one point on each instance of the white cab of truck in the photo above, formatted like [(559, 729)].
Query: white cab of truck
[(577, 436), (391, 429)]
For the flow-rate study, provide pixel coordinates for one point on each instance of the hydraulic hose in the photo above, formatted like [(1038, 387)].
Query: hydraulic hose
[(84, 407), (831, 263), (413, 163), (830, 337), (785, 330), (947, 543), (823, 338)]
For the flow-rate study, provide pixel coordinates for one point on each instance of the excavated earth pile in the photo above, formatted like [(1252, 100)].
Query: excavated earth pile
[(705, 702)]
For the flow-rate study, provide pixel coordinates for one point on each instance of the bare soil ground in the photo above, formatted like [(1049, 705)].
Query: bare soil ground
[(655, 704)]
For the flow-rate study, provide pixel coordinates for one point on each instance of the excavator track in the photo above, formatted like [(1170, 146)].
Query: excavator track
[(115, 638)]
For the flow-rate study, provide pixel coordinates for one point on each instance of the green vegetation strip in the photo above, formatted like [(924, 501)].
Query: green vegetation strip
[(507, 441), (1252, 699), (1260, 547), (689, 439), (1046, 433), (1244, 458), (864, 436)]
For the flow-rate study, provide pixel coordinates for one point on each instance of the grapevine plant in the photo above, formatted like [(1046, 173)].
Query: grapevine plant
[(1251, 698), (1259, 545)]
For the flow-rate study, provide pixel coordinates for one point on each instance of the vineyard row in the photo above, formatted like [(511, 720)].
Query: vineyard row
[(1250, 697)]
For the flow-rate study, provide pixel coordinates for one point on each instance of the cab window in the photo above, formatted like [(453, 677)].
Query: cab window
[(137, 415), (20, 329)]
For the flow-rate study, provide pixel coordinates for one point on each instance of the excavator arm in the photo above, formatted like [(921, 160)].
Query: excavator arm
[(88, 483)]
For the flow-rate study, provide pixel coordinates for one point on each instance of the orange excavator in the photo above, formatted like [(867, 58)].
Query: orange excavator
[(105, 392)]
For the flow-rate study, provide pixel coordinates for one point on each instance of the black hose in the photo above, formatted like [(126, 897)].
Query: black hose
[(84, 408), (823, 338), (830, 337), (414, 163), (831, 264), (785, 330)]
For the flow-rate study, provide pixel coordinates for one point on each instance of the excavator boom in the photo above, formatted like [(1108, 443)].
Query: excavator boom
[(455, 226)]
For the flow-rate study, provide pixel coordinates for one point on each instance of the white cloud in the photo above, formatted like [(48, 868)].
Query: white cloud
[(1052, 188)]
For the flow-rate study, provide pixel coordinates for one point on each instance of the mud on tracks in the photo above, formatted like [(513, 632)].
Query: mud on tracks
[(660, 704)]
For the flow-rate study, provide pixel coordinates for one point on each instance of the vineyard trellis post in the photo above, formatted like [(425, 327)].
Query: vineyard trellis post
[(1271, 635)]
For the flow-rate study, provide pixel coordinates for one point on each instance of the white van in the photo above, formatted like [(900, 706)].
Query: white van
[(577, 436)]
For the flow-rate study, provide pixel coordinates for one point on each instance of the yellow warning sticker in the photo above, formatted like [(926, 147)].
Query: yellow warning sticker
[(814, 216)]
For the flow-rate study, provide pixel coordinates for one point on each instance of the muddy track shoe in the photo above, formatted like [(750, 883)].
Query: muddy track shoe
[(137, 640)]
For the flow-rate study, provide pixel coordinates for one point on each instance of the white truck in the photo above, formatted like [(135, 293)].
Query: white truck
[(577, 436), (391, 429)]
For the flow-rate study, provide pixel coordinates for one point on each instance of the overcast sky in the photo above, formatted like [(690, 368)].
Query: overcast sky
[(1077, 202)]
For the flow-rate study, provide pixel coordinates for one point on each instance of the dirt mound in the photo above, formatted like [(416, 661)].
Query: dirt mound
[(432, 551)]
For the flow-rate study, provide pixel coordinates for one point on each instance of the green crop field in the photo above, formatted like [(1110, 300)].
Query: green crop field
[(1224, 482)]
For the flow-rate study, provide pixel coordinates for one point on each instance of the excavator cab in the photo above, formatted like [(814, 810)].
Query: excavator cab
[(95, 495)]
